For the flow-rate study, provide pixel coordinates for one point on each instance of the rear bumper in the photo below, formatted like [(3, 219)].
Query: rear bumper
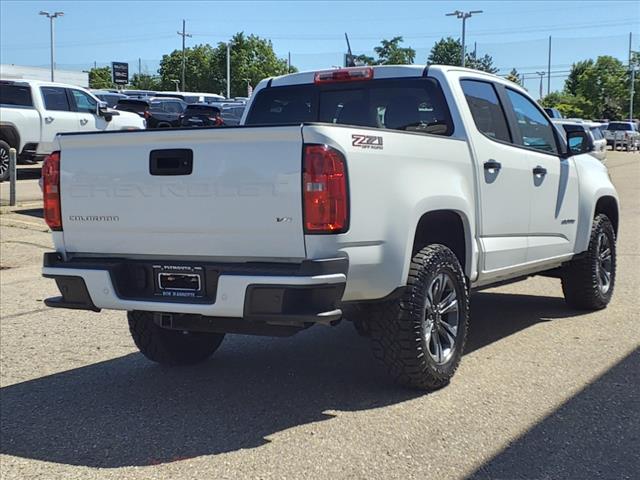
[(306, 292)]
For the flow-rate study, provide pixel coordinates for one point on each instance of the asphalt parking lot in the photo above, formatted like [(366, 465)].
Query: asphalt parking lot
[(543, 392)]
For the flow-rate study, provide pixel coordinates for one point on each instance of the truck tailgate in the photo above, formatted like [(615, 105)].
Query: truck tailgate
[(242, 198)]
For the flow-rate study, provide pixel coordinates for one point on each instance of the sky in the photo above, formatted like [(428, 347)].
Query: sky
[(515, 33)]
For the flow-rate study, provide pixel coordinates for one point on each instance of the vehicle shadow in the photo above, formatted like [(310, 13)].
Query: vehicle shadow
[(129, 411), (596, 434)]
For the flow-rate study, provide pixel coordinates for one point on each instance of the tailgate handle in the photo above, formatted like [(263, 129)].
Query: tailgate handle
[(175, 161)]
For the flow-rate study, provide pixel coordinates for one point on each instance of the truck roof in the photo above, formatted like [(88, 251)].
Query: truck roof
[(388, 71), (38, 83)]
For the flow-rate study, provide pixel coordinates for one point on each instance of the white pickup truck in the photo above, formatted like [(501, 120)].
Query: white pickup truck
[(623, 134), (32, 113), (381, 194)]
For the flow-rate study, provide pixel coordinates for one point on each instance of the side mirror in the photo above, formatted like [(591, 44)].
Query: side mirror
[(103, 111), (578, 141)]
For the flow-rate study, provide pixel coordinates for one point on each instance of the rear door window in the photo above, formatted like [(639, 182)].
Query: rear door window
[(55, 98), (412, 105), (16, 95), (486, 110)]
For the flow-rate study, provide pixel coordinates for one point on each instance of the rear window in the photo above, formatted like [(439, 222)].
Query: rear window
[(619, 126), (596, 132), (19, 95), (414, 105), (201, 110)]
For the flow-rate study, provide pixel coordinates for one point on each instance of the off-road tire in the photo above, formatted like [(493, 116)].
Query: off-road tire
[(399, 328), (580, 283), (170, 347), (4, 161)]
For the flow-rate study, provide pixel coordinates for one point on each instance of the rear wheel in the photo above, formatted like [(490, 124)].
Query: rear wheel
[(587, 282), (4, 161), (171, 347), (420, 338)]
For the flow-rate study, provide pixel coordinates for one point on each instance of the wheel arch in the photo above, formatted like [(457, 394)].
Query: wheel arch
[(447, 227), (609, 206), (9, 133)]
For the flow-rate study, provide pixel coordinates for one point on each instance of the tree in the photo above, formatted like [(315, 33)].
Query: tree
[(199, 73), (144, 81), (100, 78), (446, 51), (364, 60), (252, 59), (484, 63), (514, 76), (573, 80), (571, 106), (605, 85), (391, 53)]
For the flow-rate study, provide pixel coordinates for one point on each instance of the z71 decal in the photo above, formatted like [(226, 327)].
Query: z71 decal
[(366, 141)]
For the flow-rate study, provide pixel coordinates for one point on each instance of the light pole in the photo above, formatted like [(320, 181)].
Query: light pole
[(463, 15), (228, 69), (51, 17)]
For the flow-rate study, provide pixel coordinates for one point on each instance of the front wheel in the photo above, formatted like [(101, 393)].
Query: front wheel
[(587, 282), (420, 338), (170, 347)]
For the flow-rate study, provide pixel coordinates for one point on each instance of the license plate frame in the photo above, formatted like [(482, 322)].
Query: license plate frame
[(179, 274)]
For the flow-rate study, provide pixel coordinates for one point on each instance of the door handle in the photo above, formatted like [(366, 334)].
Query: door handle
[(83, 121), (492, 165), (48, 119), (539, 170)]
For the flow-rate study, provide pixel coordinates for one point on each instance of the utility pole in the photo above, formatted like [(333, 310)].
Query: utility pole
[(542, 74), (549, 68), (139, 66), (52, 17), (228, 69), (463, 16), (184, 35), (289, 63)]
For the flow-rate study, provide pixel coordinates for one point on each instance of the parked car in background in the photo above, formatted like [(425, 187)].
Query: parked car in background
[(191, 97), (33, 112), (201, 115), (592, 129), (623, 134), (553, 113), (599, 142), (232, 114), (110, 98), (138, 93), (158, 112)]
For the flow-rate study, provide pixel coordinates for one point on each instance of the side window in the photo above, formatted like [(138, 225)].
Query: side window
[(55, 98), (486, 110), (84, 102), (534, 130), (172, 107)]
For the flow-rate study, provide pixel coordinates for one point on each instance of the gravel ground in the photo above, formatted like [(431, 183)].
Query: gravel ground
[(543, 392)]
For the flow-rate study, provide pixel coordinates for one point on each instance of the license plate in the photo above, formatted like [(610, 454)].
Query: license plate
[(179, 281)]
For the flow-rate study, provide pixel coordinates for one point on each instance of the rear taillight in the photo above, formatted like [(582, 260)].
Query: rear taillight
[(51, 191), (324, 190), (344, 75)]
